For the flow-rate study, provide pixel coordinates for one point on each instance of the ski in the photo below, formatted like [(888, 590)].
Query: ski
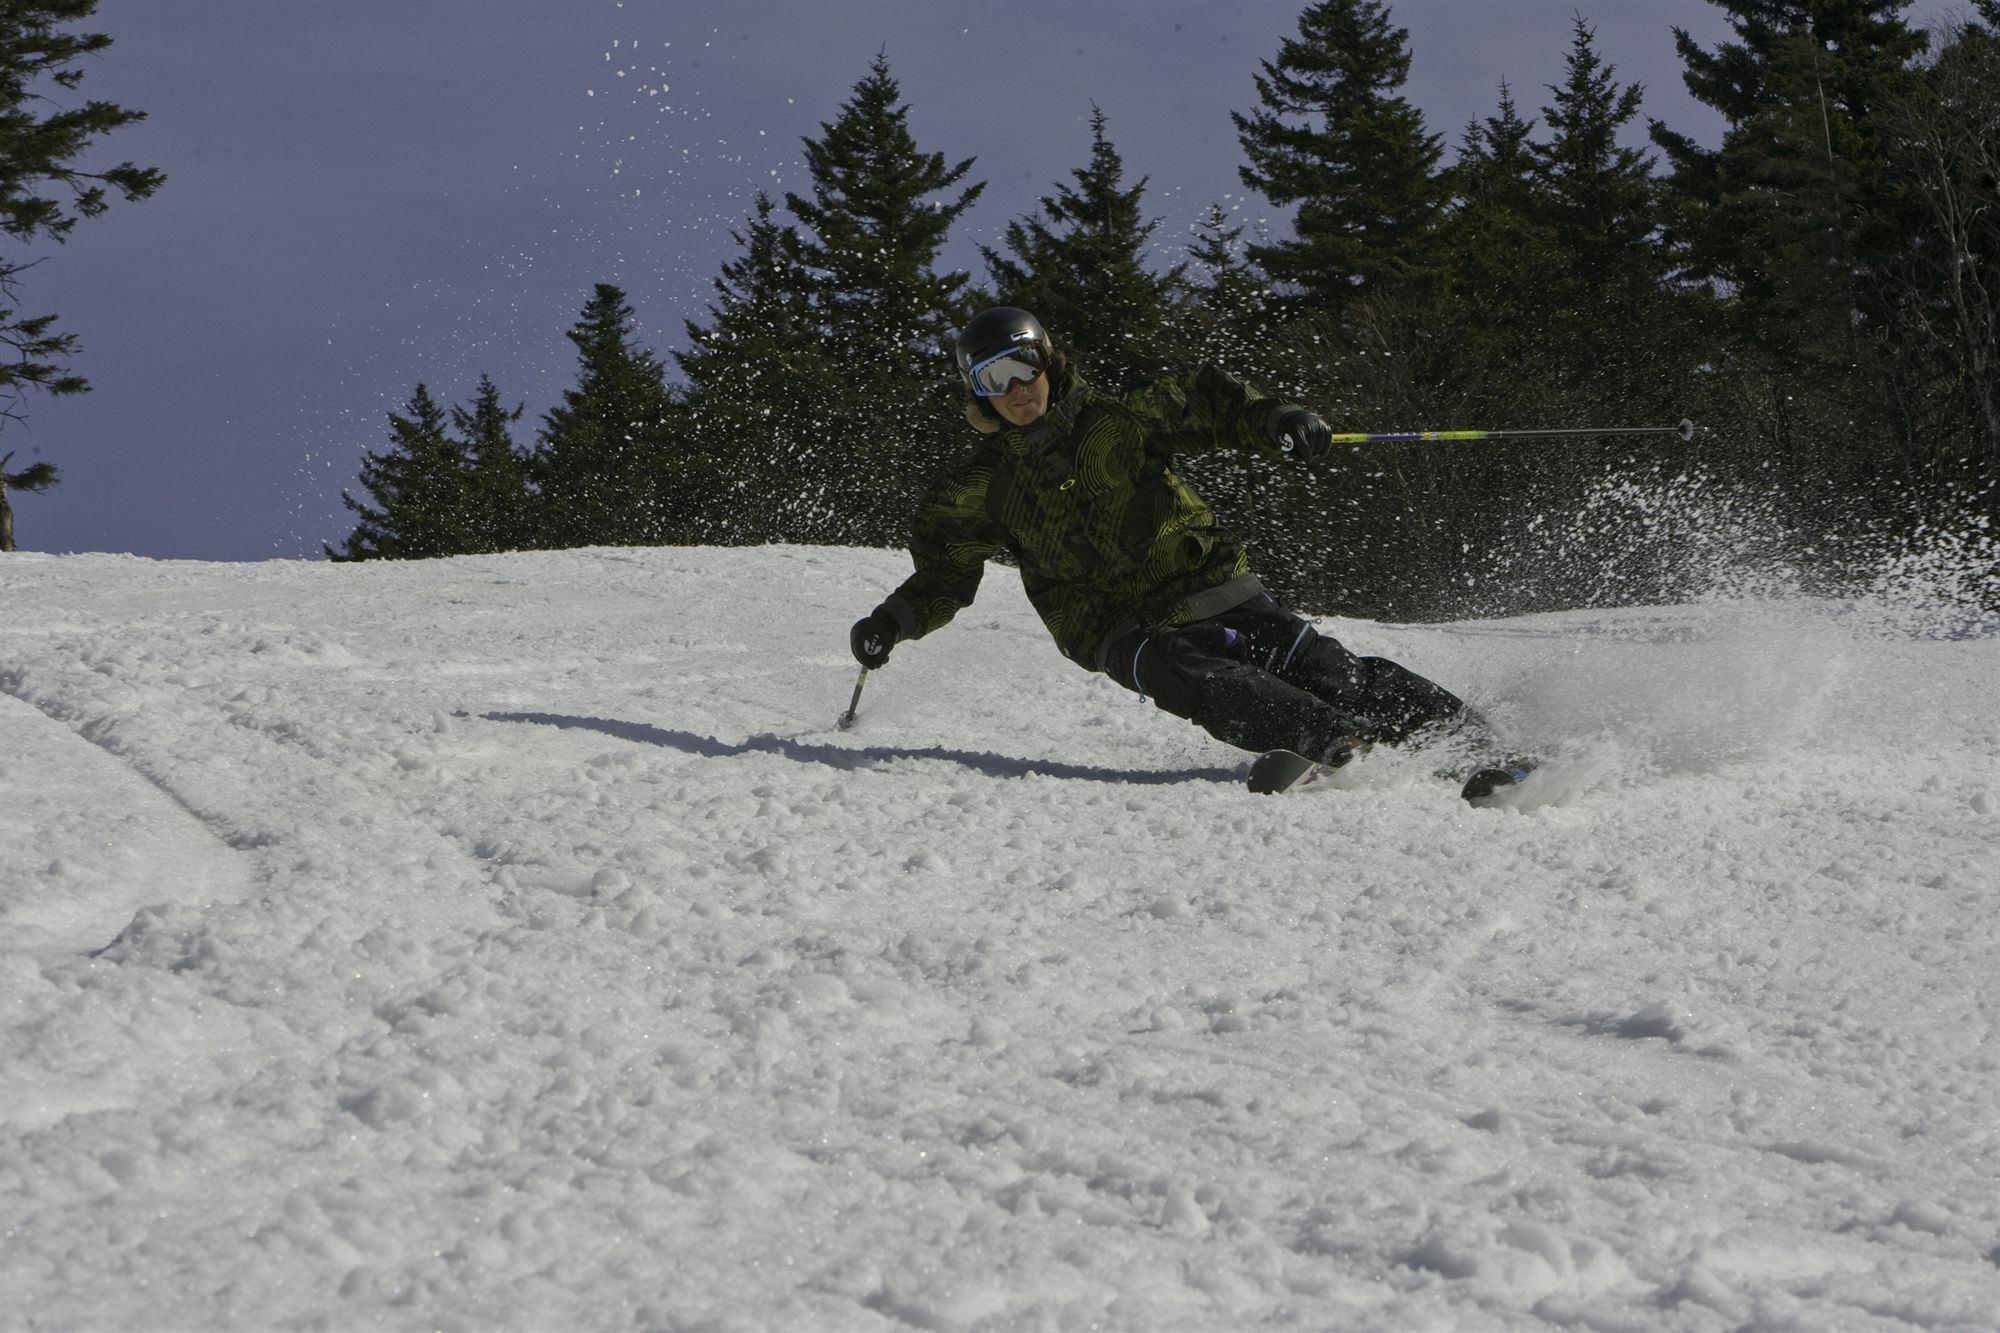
[(1489, 786), (1277, 771)]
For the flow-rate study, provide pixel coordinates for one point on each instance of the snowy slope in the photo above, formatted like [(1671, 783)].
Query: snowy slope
[(514, 942)]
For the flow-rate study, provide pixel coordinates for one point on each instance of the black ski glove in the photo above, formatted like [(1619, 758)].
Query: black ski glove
[(872, 637), (1300, 432)]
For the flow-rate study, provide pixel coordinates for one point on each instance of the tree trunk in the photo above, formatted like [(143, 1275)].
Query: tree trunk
[(6, 508)]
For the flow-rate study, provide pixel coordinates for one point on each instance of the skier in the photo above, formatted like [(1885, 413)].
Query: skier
[(1129, 569)]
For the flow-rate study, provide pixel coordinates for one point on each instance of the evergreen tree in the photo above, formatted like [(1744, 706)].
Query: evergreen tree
[(1599, 196), (872, 233), (1943, 132), (607, 467), (1081, 267), (32, 479), (496, 504), (1496, 162), (1556, 318), (1231, 311), (1497, 250), (419, 487), (43, 193), (762, 389), (1613, 350), (1335, 137), (869, 236), (1791, 218)]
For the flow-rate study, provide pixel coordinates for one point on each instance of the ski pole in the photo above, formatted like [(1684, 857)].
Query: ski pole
[(1685, 430), (847, 719)]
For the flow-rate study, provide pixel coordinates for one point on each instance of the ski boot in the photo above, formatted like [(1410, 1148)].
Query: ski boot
[(1485, 786)]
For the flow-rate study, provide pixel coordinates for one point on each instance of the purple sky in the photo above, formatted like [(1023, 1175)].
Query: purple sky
[(363, 194)]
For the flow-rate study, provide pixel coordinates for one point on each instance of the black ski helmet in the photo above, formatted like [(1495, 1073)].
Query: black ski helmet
[(991, 332)]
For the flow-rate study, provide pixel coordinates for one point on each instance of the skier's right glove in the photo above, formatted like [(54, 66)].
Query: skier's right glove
[(1300, 432), (873, 636)]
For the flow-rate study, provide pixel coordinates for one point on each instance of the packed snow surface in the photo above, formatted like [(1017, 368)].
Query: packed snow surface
[(515, 942)]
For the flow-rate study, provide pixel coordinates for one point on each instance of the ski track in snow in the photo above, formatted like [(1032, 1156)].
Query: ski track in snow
[(516, 942)]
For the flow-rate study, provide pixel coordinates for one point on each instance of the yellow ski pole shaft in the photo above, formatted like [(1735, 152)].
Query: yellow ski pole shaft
[(1685, 430)]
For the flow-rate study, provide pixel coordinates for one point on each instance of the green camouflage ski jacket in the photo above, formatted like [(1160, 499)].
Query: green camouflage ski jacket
[(1086, 502)]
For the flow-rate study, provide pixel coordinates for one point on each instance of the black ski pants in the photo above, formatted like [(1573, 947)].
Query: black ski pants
[(1260, 677)]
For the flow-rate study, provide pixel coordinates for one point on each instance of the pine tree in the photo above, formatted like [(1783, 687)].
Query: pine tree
[(763, 390), (1943, 134), (1497, 250), (607, 466), (869, 236), (1080, 266), (1791, 228), (43, 193), (496, 504), (1335, 137), (1598, 195), (1789, 217), (1496, 162), (763, 310), (418, 486), (872, 233), (1230, 301), (1613, 347), (32, 479)]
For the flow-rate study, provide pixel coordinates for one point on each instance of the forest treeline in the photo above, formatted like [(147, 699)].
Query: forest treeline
[(1820, 290)]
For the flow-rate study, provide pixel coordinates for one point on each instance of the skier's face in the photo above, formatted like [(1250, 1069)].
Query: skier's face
[(1024, 402)]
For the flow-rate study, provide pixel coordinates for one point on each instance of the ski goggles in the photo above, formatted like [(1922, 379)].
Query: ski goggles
[(998, 373)]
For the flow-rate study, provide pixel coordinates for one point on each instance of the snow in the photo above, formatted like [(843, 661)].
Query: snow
[(515, 942)]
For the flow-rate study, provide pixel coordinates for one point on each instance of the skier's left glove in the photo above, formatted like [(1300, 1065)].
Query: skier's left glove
[(1300, 432), (873, 636)]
